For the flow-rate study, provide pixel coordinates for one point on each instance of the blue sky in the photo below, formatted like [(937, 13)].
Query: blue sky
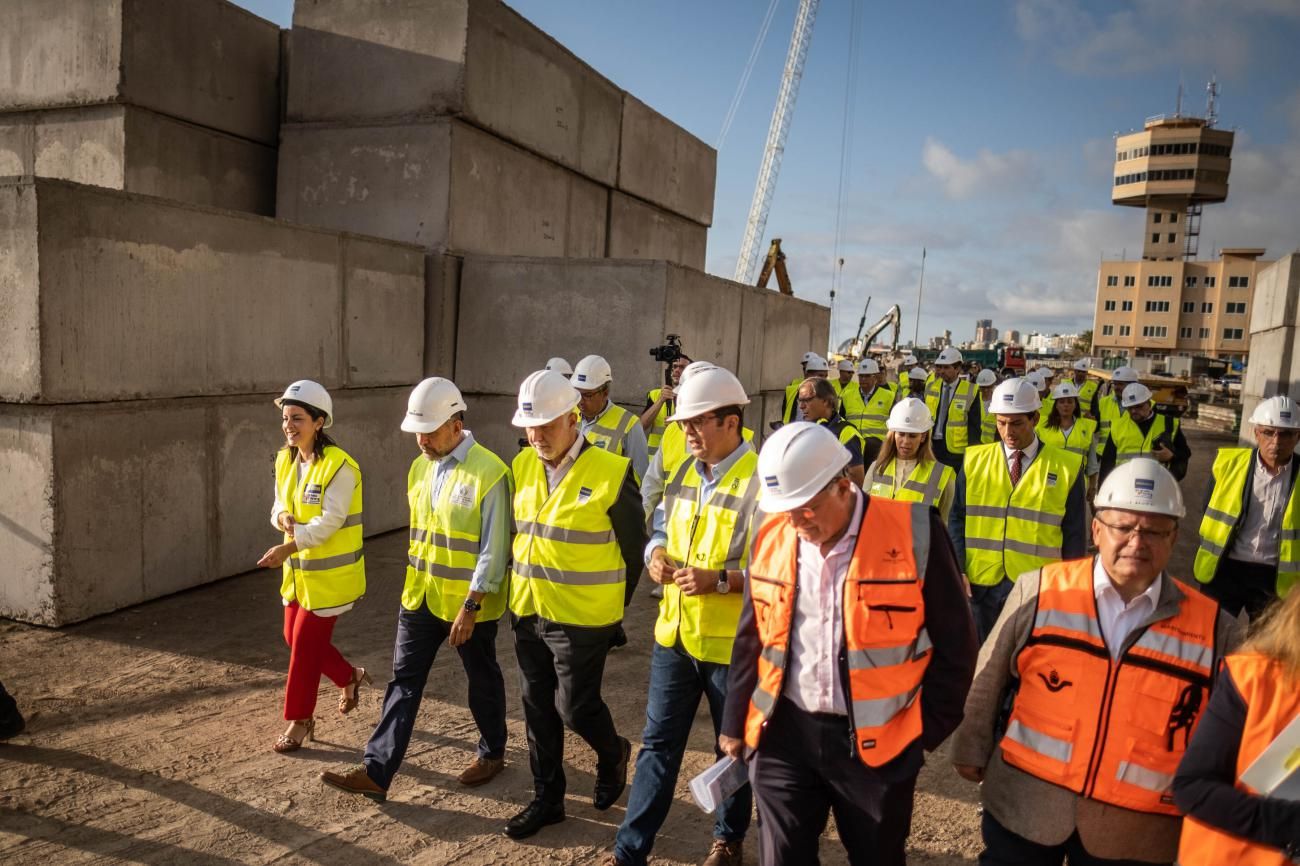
[(981, 131)]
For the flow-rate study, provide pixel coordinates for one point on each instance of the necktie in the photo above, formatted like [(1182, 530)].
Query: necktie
[(1016, 458)]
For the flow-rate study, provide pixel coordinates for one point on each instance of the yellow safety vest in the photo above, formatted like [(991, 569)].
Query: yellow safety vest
[(674, 447), (871, 415), (846, 432), (1013, 530), (1129, 441), (1109, 409), (1086, 392), (660, 422), (1231, 468), (714, 536), (791, 400), (445, 538), (567, 564), (954, 434), (988, 424), (611, 427), (1081, 437), (926, 483), (332, 573)]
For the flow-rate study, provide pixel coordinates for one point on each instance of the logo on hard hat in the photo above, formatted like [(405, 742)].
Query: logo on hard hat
[(1285, 414), (1144, 484), (527, 407), (581, 377), (771, 482), (1008, 398)]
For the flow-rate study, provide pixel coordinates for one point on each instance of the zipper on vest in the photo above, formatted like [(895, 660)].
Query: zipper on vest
[(1103, 723), (889, 610)]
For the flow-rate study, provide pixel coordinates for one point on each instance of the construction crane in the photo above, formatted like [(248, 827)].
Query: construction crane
[(857, 347), (777, 132)]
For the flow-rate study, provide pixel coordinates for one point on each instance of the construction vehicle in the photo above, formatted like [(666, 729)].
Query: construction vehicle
[(857, 347), (1170, 394), (775, 263)]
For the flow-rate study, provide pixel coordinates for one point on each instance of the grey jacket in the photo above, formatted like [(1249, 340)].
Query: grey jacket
[(1028, 806)]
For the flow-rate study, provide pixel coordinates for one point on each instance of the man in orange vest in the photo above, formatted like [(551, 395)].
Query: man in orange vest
[(854, 632), (1089, 688)]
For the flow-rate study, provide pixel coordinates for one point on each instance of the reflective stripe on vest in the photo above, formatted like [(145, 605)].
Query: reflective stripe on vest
[(954, 432), (871, 415), (885, 640), (1011, 531), (925, 484), (445, 537), (610, 429), (1129, 441), (1110, 731), (712, 537), (333, 573), (567, 564), (1272, 703)]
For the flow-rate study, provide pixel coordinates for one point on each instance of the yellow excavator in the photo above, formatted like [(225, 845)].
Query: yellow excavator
[(775, 263)]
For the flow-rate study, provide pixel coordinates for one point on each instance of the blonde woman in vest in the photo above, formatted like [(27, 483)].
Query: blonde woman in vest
[(318, 508), (1256, 697), (1061, 426), (906, 468)]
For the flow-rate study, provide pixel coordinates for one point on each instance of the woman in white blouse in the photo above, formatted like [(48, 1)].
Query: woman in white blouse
[(906, 468), (1061, 426)]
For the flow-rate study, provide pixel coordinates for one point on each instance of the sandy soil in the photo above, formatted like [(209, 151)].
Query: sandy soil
[(150, 730)]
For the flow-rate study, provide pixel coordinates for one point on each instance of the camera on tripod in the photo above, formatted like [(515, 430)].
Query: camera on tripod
[(670, 351)]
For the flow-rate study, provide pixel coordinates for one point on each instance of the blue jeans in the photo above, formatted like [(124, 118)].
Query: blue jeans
[(677, 682)]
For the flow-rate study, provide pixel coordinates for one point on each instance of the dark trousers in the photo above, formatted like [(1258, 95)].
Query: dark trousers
[(944, 456), (1004, 848), (1241, 585), (419, 636), (677, 682), (871, 450), (986, 603), (803, 771), (560, 672)]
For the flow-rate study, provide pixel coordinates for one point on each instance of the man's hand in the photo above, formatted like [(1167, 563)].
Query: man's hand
[(969, 773), (667, 394), (1163, 454), (285, 521), (661, 568), (732, 747), (696, 581), (275, 557), (462, 628)]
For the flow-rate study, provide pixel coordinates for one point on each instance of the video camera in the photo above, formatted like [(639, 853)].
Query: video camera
[(670, 351)]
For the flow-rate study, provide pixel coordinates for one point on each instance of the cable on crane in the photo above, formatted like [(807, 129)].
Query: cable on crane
[(744, 76), (846, 153)]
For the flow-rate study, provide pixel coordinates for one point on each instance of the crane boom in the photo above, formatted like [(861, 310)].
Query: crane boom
[(857, 347), (777, 133)]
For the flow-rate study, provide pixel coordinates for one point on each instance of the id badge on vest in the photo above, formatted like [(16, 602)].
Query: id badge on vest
[(312, 494), (463, 495)]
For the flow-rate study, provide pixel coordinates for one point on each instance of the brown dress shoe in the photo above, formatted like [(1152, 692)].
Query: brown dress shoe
[(356, 781), (724, 853), (481, 771)]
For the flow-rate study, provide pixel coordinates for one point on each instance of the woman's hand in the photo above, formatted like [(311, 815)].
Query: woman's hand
[(285, 521), (275, 557)]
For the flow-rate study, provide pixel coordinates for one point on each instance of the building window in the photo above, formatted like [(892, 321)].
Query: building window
[(1130, 281), (1125, 330), (1112, 280), (1184, 333), (1205, 333), (1154, 331), (1157, 306), (1189, 282), (1238, 282), (1156, 218), (1110, 306), (1127, 307), (1155, 237), (1108, 330), (1207, 307), (1236, 309), (1154, 281), (1189, 306), (1232, 333), (1172, 237), (1210, 282)]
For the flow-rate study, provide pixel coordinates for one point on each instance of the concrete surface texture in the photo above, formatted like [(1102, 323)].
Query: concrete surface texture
[(205, 61), (110, 296), (663, 163), (137, 150), (477, 59), (638, 230), (119, 503), (1274, 366)]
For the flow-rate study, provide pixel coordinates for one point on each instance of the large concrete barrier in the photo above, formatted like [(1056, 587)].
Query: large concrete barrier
[(368, 60), (1273, 366), (440, 184), (137, 150), (663, 163), (110, 505), (638, 230), (206, 61), (110, 296)]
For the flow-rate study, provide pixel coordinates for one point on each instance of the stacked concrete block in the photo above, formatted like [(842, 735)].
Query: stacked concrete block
[(174, 99), (1274, 363)]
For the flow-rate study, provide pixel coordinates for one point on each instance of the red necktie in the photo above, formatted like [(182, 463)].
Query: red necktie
[(1016, 458)]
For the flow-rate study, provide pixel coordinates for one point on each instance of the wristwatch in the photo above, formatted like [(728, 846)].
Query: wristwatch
[(472, 606), (724, 585)]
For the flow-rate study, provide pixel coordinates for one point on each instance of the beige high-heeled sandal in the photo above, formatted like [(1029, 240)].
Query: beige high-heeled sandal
[(348, 704), (287, 743)]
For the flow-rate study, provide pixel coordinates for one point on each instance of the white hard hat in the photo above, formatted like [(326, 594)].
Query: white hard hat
[(948, 356), (910, 415), (1143, 485), (1082, 364), (1135, 395), (431, 403), (543, 397), (1279, 411), (808, 356), (692, 368), (559, 365), (815, 364), (845, 366), (1015, 397), (707, 390), (1065, 391), (910, 360), (591, 373), (986, 378), (1124, 374), (796, 462), (868, 367), (1035, 378), (918, 374), (1047, 373), (311, 394)]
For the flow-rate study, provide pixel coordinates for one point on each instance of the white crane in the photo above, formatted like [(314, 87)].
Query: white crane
[(777, 133)]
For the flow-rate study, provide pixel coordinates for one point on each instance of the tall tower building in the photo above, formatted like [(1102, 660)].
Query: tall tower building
[(1170, 302)]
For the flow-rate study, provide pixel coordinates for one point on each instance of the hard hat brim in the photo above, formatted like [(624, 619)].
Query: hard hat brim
[(522, 420), (774, 503)]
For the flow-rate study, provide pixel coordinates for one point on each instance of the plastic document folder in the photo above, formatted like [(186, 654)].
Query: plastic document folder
[(712, 787), (1276, 772)]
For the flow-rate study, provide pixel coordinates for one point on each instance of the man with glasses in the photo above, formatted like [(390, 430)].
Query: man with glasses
[(853, 655), (1088, 689), (819, 404), (697, 551), (659, 404), (606, 424), (1250, 534)]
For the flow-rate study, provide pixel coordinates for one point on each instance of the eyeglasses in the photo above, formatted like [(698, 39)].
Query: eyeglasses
[(805, 400), (1277, 433), (1124, 533), (697, 424)]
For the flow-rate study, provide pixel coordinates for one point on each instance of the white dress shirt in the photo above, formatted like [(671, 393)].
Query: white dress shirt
[(1261, 527), (812, 679), (1030, 452), (554, 475), (1118, 620)]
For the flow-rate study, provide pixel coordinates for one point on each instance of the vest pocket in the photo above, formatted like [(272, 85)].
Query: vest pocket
[(1039, 743)]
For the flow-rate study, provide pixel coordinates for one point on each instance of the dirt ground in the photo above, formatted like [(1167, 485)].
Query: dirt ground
[(150, 729)]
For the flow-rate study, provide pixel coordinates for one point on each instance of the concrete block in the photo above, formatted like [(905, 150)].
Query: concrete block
[(792, 326), (440, 184), (706, 312), (206, 61), (1273, 365), (638, 230), (1275, 302), (230, 303), (132, 149), (441, 310), (664, 164), (367, 60), (488, 417), (369, 428), (27, 516), (753, 319)]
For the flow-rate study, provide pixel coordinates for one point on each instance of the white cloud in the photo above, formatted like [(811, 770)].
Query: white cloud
[(963, 178)]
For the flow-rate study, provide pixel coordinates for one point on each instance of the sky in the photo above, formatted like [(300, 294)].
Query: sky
[(981, 132)]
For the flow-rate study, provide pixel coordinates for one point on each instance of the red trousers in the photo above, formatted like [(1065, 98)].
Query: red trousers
[(310, 655)]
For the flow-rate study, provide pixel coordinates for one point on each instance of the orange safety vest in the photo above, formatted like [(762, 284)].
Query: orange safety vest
[(887, 645), (1271, 704), (1110, 730)]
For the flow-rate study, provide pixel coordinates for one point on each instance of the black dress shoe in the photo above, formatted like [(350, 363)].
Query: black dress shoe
[(536, 815), (610, 785)]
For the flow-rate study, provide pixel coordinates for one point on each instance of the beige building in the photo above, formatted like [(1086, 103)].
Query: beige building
[(1169, 302)]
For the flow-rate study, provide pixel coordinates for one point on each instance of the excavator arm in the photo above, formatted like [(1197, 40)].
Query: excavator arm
[(775, 263)]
